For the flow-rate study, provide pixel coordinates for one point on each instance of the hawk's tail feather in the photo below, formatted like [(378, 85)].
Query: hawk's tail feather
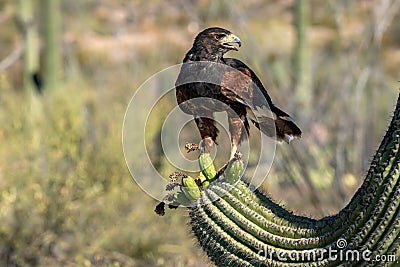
[(281, 127), (286, 129)]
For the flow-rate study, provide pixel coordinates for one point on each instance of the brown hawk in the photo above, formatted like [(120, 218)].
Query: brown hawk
[(227, 84)]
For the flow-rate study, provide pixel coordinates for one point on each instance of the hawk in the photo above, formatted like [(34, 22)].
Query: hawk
[(227, 84)]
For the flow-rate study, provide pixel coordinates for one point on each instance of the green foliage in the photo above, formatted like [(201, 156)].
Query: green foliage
[(66, 189)]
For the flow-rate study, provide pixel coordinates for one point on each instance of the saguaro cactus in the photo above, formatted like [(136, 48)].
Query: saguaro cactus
[(51, 35), (238, 227), (26, 20)]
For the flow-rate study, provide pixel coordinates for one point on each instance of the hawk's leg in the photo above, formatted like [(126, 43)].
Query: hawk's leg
[(236, 129), (208, 132)]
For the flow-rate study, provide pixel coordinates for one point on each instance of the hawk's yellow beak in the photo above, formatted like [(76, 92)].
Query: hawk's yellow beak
[(230, 40)]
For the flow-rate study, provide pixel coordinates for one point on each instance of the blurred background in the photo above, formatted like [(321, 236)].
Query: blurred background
[(69, 68)]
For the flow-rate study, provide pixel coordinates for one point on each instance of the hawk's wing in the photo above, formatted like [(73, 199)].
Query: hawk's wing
[(245, 87)]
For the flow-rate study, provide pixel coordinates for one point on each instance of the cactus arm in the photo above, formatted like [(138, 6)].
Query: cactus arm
[(238, 227)]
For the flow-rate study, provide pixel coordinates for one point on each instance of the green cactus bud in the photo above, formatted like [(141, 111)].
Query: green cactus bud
[(190, 188), (207, 166), (234, 170)]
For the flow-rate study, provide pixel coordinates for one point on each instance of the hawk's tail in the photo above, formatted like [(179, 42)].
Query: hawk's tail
[(281, 126), (286, 129)]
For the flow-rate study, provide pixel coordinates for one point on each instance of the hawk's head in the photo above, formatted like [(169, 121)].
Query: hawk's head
[(216, 41)]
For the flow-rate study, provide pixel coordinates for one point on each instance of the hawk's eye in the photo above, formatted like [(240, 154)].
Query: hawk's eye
[(219, 36)]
